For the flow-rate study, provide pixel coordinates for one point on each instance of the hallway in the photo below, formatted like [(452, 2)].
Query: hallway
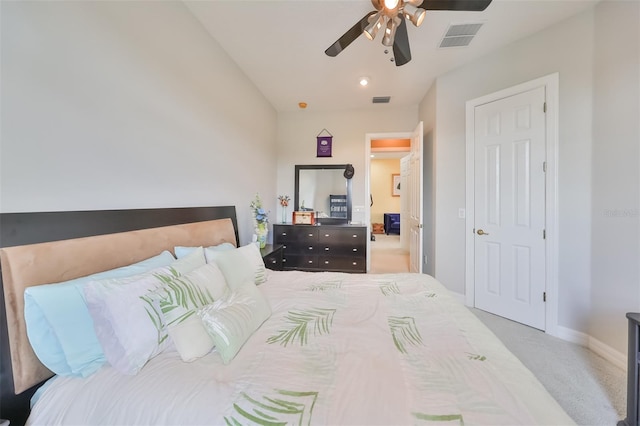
[(387, 256)]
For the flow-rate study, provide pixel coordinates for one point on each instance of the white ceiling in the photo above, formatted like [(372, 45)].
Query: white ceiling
[(280, 44)]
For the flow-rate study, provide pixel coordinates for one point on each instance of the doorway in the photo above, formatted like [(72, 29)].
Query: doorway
[(389, 250), (511, 206), (404, 188)]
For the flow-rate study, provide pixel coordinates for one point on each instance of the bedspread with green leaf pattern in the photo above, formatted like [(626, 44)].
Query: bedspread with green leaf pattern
[(348, 349)]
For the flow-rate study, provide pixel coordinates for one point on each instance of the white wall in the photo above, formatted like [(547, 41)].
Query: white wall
[(127, 105), (615, 276), (565, 48), (297, 133), (598, 160)]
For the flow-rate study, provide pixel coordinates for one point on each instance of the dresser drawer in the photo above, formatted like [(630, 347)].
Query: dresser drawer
[(343, 263), (303, 248), (300, 262), (342, 250), (345, 236), (295, 234)]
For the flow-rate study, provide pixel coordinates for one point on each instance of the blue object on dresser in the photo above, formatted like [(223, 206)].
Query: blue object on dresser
[(392, 223)]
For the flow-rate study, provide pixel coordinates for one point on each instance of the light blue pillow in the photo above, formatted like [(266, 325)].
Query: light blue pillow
[(181, 251), (59, 326)]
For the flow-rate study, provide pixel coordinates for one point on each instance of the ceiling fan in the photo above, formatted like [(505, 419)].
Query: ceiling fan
[(390, 14)]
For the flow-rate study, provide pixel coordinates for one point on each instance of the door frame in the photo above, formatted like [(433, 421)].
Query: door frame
[(551, 84), (367, 178)]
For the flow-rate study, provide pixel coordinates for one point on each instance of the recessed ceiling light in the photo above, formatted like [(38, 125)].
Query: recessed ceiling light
[(302, 105), (364, 81)]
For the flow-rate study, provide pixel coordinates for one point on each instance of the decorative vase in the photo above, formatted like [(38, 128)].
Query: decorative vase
[(262, 231), (284, 214)]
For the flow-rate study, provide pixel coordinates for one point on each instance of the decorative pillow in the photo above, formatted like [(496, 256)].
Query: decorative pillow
[(191, 339), (59, 325), (122, 321), (240, 265), (128, 325), (178, 301), (193, 260), (231, 321), (181, 251)]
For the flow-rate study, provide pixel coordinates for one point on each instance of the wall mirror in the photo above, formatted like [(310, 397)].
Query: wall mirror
[(322, 188)]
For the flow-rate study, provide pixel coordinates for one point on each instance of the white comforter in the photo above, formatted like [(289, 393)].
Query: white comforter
[(338, 349)]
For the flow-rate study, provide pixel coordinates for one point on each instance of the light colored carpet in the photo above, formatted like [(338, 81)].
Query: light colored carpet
[(589, 388), (387, 256)]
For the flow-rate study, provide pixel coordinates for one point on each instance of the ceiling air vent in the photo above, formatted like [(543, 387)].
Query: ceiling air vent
[(381, 99), (460, 35)]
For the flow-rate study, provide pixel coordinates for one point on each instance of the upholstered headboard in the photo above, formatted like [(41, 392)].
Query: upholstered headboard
[(67, 257)]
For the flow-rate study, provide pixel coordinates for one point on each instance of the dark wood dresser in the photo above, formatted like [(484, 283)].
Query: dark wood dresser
[(337, 248)]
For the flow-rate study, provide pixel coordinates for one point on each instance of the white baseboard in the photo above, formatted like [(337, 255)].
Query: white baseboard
[(605, 351), (572, 336)]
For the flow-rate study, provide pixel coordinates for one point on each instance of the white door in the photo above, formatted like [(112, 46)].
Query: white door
[(405, 211), (509, 210), (413, 191)]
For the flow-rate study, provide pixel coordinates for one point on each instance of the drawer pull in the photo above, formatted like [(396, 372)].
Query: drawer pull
[(311, 235), (310, 247), (273, 262), (311, 261), (355, 235), (355, 263), (326, 235), (284, 246), (284, 234), (326, 262), (355, 249), (326, 249)]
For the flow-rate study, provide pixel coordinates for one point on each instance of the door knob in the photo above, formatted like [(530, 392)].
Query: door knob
[(481, 232)]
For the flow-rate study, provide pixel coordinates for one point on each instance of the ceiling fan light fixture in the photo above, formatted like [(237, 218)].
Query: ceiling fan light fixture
[(391, 4), (414, 14), (375, 23), (390, 31)]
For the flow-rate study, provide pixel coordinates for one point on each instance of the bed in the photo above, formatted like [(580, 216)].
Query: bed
[(290, 347)]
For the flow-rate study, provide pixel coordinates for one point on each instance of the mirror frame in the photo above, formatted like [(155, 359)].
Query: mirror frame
[(325, 220)]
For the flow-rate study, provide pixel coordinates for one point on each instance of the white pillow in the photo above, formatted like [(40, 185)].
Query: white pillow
[(178, 301), (122, 320), (231, 321), (128, 324), (240, 265), (191, 339)]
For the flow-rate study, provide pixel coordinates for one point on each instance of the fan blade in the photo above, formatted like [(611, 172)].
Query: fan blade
[(470, 5), (348, 37), (401, 50)]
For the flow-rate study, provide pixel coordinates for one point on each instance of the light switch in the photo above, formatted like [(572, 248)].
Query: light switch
[(461, 213)]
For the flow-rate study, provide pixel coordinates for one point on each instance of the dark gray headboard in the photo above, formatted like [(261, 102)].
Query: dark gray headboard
[(30, 228)]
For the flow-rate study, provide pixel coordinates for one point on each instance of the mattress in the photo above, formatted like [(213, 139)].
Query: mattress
[(337, 349)]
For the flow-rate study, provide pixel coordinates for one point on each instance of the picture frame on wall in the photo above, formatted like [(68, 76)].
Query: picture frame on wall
[(395, 185)]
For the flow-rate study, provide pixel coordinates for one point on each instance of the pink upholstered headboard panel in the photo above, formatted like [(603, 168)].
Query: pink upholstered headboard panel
[(44, 263)]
